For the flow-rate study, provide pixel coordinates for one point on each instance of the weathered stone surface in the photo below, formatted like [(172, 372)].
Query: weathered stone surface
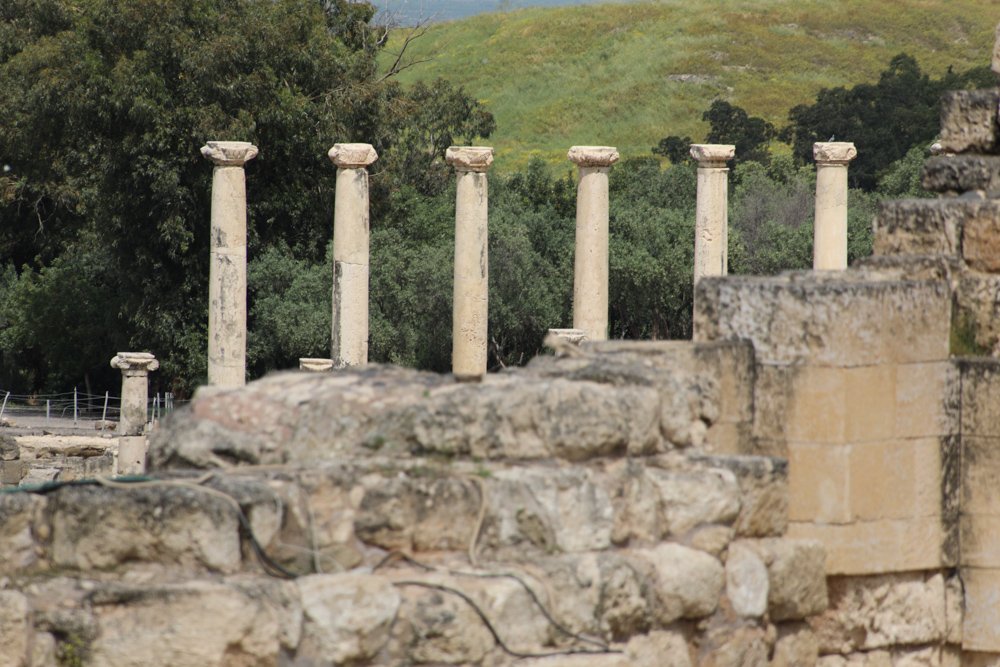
[(961, 173), (977, 316), (881, 612), (796, 646), (713, 153), (742, 646), (746, 581), (593, 156), (796, 576), (438, 628), (659, 649), (470, 158), (194, 624), (763, 483), (687, 583), (843, 319), (834, 151), (9, 450), (99, 528), (969, 121), (927, 226), (15, 629), (599, 408), (22, 524), (352, 156), (346, 617), (919, 657)]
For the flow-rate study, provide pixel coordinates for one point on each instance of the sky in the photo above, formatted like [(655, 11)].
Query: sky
[(410, 11)]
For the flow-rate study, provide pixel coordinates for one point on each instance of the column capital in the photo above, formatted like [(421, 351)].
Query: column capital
[(470, 158), (229, 153), (713, 155), (834, 152), (593, 156), (352, 156), (135, 361)]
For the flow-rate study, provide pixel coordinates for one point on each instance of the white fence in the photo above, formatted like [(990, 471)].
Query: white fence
[(77, 406)]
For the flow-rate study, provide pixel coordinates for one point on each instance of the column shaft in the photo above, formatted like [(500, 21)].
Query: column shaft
[(470, 313), (135, 389), (830, 224), (590, 260), (349, 336), (227, 279), (711, 229)]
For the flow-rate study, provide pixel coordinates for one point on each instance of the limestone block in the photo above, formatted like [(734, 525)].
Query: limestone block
[(974, 659), (925, 226), (958, 174), (23, 525), (980, 399), (12, 472), (659, 649), (744, 646), (980, 470), (969, 121), (687, 583), (193, 624), (896, 479), (876, 547), (796, 646), (554, 511), (352, 156), (102, 528), (881, 612), (9, 449), (825, 320), (978, 312), (981, 240), (317, 524), (927, 400), (418, 513), (796, 577), (819, 483), (746, 581), (346, 617), (763, 486), (979, 538), (15, 629), (981, 626), (691, 499), (904, 657)]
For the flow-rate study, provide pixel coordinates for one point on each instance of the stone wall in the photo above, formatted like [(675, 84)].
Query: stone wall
[(570, 513)]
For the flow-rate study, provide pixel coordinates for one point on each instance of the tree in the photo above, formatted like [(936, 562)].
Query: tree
[(674, 148), (105, 105), (730, 124), (884, 120)]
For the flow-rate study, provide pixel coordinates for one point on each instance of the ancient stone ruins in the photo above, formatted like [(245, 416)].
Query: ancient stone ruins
[(812, 480)]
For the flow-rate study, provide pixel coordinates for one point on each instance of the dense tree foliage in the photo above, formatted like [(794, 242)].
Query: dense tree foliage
[(104, 196), (884, 120)]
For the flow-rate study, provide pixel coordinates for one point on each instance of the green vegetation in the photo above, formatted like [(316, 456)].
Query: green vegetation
[(630, 74), (104, 197)]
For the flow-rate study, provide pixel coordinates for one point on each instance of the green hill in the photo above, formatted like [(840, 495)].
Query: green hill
[(629, 74)]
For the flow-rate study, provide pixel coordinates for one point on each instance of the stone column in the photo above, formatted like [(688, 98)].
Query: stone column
[(711, 227), (830, 227), (135, 368), (590, 260), (227, 277), (349, 335), (470, 313)]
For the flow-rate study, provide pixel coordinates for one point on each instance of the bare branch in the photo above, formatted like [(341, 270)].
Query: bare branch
[(416, 32)]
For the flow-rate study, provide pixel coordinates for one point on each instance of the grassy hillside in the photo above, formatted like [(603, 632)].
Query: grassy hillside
[(630, 74)]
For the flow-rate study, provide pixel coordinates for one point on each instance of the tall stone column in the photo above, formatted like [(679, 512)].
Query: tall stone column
[(349, 335), (227, 276), (470, 312), (830, 227), (711, 227), (590, 260), (135, 368)]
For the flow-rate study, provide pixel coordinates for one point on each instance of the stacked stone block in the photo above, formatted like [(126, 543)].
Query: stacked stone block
[(576, 504)]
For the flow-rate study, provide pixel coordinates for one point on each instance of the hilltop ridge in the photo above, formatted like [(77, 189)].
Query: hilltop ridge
[(630, 74)]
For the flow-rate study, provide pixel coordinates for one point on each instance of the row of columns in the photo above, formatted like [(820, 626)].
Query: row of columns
[(349, 334), (711, 235)]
